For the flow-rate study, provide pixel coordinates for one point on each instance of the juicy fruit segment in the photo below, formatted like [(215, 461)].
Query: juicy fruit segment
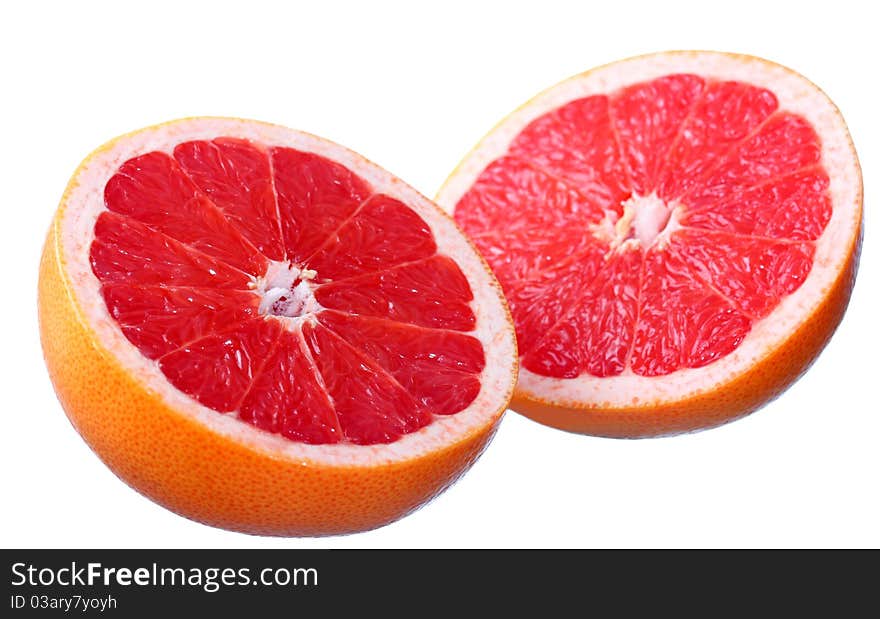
[(648, 230), (278, 286), (440, 374), (682, 323), (238, 178), (572, 345), (429, 293), (314, 197)]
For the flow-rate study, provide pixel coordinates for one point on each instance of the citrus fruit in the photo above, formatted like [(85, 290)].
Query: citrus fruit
[(677, 236), (265, 332)]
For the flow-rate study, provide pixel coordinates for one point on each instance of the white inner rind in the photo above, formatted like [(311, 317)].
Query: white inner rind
[(795, 94), (84, 202)]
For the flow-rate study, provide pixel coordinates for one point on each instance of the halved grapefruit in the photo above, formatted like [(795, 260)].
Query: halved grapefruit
[(263, 331), (677, 236)]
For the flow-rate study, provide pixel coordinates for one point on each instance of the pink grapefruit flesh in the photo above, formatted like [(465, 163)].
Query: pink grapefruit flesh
[(653, 217), (188, 242), (263, 331)]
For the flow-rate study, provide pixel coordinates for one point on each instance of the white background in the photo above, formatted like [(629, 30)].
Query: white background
[(412, 87)]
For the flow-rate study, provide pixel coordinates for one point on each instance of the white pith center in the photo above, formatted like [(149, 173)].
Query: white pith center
[(288, 292), (646, 221)]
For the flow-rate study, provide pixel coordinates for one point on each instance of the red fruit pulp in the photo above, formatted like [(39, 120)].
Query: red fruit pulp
[(279, 286), (647, 230)]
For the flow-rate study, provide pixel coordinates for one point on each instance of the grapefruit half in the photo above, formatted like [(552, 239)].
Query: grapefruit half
[(677, 236), (265, 332)]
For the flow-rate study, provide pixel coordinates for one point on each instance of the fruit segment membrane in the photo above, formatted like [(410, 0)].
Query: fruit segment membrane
[(648, 230), (278, 286)]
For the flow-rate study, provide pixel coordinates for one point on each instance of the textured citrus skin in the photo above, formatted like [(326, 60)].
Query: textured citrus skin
[(198, 473), (728, 401), (763, 382)]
